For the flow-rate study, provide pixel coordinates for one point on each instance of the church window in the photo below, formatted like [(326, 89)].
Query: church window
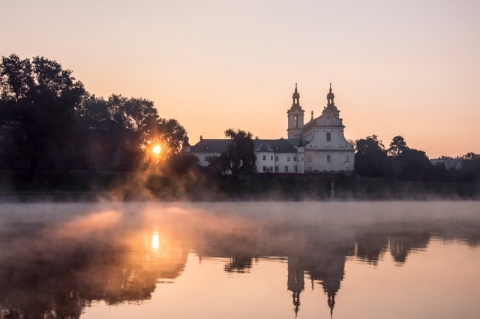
[(286, 169), (329, 137), (264, 157), (276, 169), (288, 158), (294, 158), (296, 121), (271, 157), (347, 159), (329, 158), (276, 158)]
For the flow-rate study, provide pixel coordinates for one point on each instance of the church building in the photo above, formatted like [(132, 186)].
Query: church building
[(318, 146)]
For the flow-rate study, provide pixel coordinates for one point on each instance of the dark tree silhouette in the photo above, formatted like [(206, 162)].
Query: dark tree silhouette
[(171, 135), (405, 163), (470, 168), (397, 146), (415, 165), (239, 156), (122, 130), (217, 165), (39, 100), (370, 157)]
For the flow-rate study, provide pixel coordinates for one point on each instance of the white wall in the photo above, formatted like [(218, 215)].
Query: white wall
[(317, 161), (284, 162)]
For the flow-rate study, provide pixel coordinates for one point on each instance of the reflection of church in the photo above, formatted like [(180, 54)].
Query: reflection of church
[(69, 274), (325, 266)]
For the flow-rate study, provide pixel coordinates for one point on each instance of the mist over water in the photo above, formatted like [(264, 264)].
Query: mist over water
[(68, 260)]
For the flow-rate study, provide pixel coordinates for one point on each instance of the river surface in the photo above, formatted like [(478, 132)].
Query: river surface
[(240, 260)]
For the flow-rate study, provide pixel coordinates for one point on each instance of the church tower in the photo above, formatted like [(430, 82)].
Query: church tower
[(331, 104), (295, 116)]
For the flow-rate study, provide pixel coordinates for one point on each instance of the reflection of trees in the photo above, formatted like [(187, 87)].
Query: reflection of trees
[(49, 273), (401, 244), (57, 279), (321, 250), (237, 244), (371, 247)]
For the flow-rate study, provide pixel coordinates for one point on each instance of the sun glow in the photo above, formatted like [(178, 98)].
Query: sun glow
[(156, 149), (155, 241)]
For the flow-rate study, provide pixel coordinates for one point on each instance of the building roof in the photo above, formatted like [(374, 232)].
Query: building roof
[(278, 145), (210, 146), (260, 145)]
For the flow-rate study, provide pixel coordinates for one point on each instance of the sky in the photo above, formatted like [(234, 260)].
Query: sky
[(409, 68)]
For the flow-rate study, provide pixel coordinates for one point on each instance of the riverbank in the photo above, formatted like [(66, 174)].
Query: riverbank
[(94, 186)]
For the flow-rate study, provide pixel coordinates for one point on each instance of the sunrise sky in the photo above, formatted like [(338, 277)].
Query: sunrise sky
[(409, 68)]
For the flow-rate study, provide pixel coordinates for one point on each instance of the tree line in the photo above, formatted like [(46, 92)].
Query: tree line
[(400, 162), (49, 121)]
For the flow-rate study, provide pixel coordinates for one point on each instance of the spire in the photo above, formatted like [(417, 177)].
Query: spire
[(296, 302), (331, 302), (296, 96), (330, 96)]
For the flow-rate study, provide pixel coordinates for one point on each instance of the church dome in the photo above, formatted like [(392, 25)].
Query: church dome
[(296, 95), (330, 95)]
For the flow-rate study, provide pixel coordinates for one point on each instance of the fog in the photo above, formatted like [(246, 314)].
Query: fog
[(59, 257)]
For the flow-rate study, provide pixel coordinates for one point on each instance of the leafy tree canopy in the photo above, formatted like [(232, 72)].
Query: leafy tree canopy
[(370, 157), (397, 146), (55, 123), (239, 156), (39, 99)]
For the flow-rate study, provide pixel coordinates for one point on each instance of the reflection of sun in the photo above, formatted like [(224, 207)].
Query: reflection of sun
[(156, 149), (155, 241)]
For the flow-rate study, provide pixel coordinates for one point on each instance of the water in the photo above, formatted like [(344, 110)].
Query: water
[(240, 260)]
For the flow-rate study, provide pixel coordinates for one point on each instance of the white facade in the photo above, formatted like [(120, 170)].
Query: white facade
[(326, 149), (280, 162), (315, 147)]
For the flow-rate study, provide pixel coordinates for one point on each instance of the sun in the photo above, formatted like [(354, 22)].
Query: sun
[(156, 149)]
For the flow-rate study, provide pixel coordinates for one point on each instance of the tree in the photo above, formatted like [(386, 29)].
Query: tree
[(171, 135), (470, 169), (370, 157), (217, 165), (39, 100), (397, 146), (406, 163), (239, 156), (182, 163), (413, 165), (126, 129), (471, 156)]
